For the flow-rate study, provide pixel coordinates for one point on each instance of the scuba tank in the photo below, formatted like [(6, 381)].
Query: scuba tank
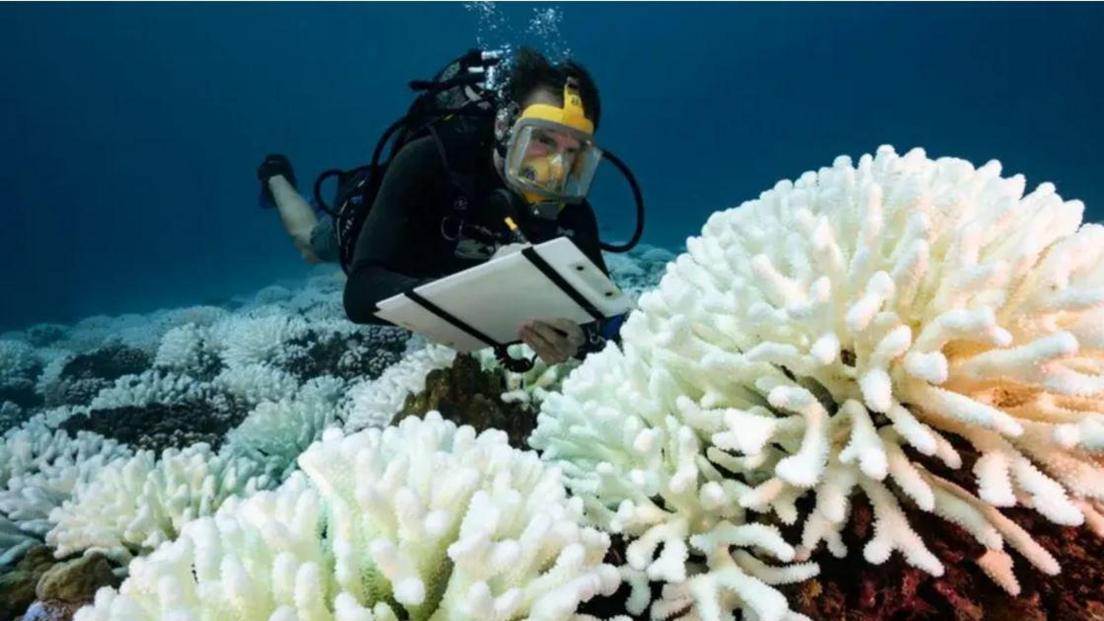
[(455, 103)]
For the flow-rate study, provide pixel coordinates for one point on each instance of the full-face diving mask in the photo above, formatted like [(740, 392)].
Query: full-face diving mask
[(551, 155)]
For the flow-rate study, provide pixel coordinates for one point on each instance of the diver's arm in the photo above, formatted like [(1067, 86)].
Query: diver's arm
[(388, 237)]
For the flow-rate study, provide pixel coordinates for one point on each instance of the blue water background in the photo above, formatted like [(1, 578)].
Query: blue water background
[(129, 134)]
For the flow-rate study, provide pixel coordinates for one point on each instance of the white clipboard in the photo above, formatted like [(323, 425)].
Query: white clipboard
[(496, 297)]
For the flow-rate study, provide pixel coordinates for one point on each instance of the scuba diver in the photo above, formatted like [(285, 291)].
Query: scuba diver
[(473, 173)]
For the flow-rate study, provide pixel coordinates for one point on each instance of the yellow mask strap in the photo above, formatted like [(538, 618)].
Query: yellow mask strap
[(570, 115)]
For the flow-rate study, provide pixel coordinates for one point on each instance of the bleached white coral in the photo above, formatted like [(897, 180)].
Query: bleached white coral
[(183, 348), (373, 403), (13, 541), (424, 520), (272, 294), (50, 377), (17, 362), (134, 504), (247, 341), (277, 432), (11, 415), (131, 330), (808, 337), (154, 386), (257, 382), (644, 471), (55, 416), (40, 467), (199, 316)]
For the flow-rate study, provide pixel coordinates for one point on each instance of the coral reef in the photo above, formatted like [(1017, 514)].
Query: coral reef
[(133, 505), (179, 379), (77, 379), (346, 351), (76, 581), (14, 542), (12, 415), (897, 358), (849, 589), (45, 334), (189, 349), (18, 368), (526, 389), (807, 338), (466, 394), (158, 426), (422, 520), (638, 270), (374, 402), (17, 586), (41, 467), (276, 432)]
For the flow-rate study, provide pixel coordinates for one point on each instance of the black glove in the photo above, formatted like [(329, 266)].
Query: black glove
[(274, 164)]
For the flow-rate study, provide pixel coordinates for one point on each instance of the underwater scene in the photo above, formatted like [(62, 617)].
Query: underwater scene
[(564, 312)]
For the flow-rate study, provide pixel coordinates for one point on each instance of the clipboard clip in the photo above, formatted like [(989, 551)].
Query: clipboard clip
[(515, 365)]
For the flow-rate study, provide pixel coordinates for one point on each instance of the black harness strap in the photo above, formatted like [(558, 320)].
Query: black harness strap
[(550, 273), (450, 318)]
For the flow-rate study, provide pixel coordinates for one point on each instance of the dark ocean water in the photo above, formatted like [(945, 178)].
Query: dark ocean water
[(130, 133)]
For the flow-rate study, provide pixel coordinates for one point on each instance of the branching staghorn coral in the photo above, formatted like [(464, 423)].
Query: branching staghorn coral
[(134, 504), (643, 471), (277, 432), (188, 349), (255, 383), (244, 341), (153, 386), (422, 521), (373, 403), (814, 340), (39, 468), (13, 541)]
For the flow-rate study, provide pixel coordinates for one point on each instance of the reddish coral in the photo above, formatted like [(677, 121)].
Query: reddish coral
[(852, 589)]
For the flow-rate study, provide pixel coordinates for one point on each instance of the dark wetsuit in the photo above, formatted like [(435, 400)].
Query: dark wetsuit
[(415, 234)]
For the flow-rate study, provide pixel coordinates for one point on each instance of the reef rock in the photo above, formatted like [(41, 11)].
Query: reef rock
[(467, 394), (17, 587)]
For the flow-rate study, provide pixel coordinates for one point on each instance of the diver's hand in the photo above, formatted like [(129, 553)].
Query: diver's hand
[(554, 340), (509, 249)]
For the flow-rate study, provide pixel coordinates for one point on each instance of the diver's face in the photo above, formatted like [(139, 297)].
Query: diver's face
[(548, 142)]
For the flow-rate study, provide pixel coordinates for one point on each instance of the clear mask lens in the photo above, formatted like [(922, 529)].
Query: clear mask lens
[(552, 161)]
